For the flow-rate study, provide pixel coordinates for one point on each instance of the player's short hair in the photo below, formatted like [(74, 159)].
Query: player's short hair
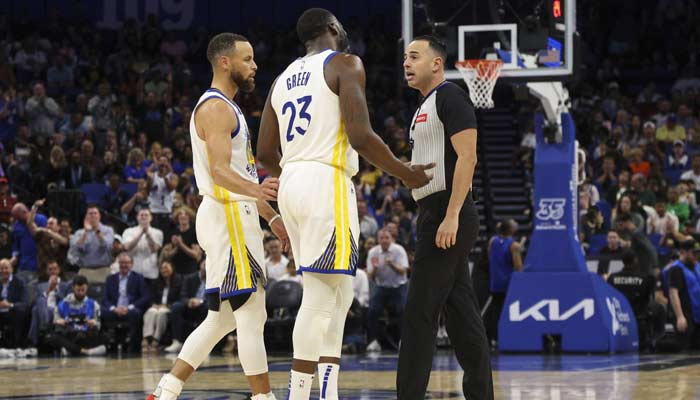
[(437, 45), (221, 43), (313, 23)]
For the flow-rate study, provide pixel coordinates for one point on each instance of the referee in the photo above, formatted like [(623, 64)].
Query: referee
[(443, 131)]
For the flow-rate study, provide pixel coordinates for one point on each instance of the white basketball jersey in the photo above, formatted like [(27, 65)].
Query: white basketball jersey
[(309, 119), (242, 160)]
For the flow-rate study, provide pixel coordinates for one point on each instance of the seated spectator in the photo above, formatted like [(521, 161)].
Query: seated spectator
[(24, 252), (165, 291), (48, 295), (662, 221), (639, 291), (77, 323), (639, 185), (693, 146), (368, 225), (5, 243), (78, 173), (387, 266), (614, 245), (354, 337), (276, 263), (113, 200), (91, 247), (183, 250), (191, 309), (687, 195), (126, 298), (676, 163), (110, 166), (693, 174), (637, 163), (143, 242), (135, 170), (14, 305), (670, 131), (681, 279), (675, 207), (624, 206)]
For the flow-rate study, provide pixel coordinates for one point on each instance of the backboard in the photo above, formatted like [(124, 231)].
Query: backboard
[(533, 38)]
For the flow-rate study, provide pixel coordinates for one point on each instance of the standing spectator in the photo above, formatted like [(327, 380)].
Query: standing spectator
[(163, 183), (48, 295), (638, 242), (51, 244), (677, 163), (91, 246), (504, 258), (78, 174), (100, 107), (59, 77), (42, 112), (14, 303), (24, 251), (77, 321), (143, 242), (670, 131), (183, 250), (126, 299), (387, 266), (135, 170), (368, 225), (165, 291), (661, 222), (275, 263), (113, 200), (191, 309), (9, 115), (607, 179), (136, 203), (614, 244), (677, 208)]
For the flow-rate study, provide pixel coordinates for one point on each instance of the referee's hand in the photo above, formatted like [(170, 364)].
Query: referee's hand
[(417, 177)]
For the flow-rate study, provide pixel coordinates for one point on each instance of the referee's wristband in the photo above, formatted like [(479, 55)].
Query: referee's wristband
[(273, 219)]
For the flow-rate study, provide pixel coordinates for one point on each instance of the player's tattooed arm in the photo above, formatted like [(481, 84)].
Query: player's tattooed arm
[(217, 120), (268, 149)]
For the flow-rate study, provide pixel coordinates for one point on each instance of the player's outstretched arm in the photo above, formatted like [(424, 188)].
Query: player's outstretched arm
[(217, 120), (347, 73), (269, 138)]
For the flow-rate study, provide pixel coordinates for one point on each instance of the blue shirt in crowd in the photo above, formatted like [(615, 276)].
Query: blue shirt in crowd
[(24, 246)]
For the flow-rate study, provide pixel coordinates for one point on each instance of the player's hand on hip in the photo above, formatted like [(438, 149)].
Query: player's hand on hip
[(446, 236), (418, 178), (281, 232), (267, 190)]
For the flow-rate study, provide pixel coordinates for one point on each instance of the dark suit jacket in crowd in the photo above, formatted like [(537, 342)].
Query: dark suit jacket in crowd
[(158, 287), (17, 292), (62, 290), (136, 290), (190, 286)]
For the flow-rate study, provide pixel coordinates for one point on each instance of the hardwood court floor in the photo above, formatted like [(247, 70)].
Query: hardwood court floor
[(517, 377)]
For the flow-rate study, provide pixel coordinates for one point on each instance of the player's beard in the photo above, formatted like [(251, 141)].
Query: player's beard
[(245, 85)]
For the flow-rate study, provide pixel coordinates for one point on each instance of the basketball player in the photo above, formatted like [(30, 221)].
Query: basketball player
[(318, 113), (228, 227), (443, 130)]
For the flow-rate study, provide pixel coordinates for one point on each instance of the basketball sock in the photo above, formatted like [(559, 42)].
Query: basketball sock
[(263, 396), (328, 377), (168, 388), (271, 396), (300, 385)]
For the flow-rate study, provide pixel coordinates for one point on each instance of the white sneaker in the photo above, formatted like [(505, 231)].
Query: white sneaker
[(64, 352), (97, 351), (174, 348), (31, 352), (374, 347)]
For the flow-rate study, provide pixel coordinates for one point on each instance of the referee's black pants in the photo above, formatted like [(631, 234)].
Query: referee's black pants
[(440, 280)]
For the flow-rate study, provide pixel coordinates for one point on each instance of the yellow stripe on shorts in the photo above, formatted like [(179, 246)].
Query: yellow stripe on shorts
[(237, 240), (342, 239)]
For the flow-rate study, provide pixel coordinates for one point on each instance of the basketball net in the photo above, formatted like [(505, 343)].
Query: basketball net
[(480, 76)]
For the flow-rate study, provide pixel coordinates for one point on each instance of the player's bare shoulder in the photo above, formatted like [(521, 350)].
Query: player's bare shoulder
[(214, 114), (343, 65)]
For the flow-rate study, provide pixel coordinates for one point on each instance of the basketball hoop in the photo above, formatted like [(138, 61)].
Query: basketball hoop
[(480, 76)]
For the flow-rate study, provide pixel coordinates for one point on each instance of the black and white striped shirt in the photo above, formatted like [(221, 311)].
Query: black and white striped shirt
[(445, 111)]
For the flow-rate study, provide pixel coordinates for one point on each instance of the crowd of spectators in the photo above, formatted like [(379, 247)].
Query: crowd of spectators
[(98, 197)]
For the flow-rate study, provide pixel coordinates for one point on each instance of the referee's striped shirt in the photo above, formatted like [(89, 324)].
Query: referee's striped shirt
[(445, 111)]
